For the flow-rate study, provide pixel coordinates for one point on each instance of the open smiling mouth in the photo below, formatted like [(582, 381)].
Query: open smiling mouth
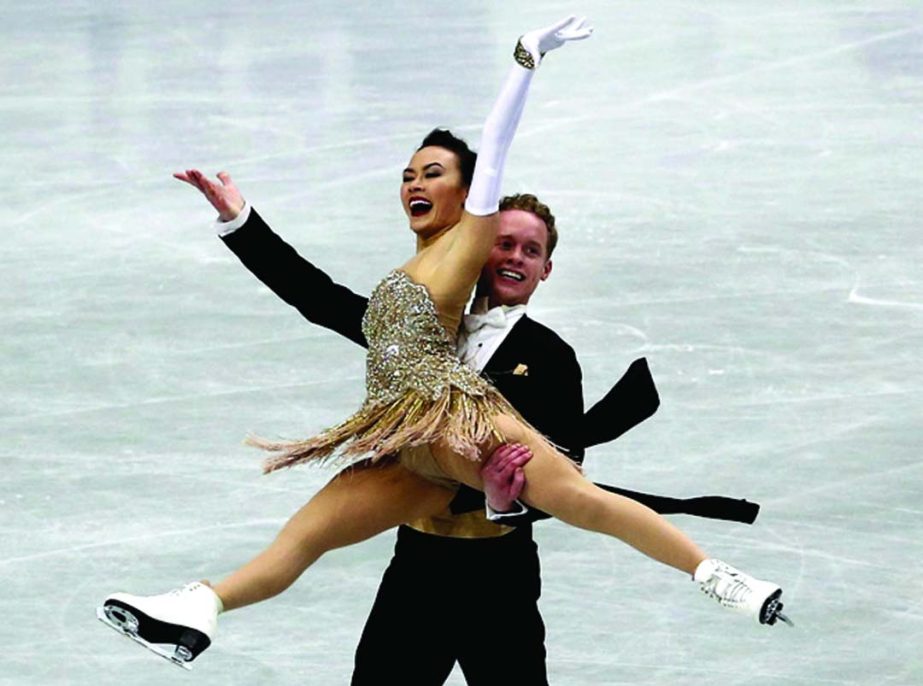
[(507, 274), (419, 207)]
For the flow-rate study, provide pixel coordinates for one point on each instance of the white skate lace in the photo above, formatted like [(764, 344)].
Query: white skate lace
[(188, 588), (727, 587), (191, 588)]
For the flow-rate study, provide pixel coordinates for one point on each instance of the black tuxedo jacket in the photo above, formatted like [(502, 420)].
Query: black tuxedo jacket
[(549, 393)]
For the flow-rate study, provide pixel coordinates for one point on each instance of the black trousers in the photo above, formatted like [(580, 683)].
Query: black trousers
[(447, 600)]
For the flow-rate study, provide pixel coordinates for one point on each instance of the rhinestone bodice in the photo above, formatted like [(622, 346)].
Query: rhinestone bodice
[(409, 349), (418, 392)]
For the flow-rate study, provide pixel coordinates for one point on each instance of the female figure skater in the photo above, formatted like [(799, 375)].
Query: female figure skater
[(437, 416)]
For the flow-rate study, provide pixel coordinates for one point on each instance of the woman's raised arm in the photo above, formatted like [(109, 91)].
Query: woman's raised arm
[(477, 234)]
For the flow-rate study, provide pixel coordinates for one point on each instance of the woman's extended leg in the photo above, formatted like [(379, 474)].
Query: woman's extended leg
[(355, 505), (554, 485)]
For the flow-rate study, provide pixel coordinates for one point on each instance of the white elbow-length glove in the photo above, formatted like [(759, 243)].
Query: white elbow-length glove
[(484, 194)]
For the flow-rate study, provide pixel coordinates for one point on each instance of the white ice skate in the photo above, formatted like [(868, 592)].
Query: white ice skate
[(177, 625), (732, 588)]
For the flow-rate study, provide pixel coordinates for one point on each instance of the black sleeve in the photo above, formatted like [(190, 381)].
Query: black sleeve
[(709, 506), (297, 281), (633, 399)]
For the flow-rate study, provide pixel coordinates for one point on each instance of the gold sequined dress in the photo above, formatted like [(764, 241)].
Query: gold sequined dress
[(418, 390)]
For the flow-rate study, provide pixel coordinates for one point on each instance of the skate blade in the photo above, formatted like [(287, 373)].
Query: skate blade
[(153, 647), (785, 619)]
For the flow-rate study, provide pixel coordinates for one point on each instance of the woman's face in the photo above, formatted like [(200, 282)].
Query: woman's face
[(432, 192)]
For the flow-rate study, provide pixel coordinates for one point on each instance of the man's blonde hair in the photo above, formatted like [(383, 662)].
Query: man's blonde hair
[(529, 203)]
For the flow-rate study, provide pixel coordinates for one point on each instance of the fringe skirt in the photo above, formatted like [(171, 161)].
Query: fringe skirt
[(460, 419)]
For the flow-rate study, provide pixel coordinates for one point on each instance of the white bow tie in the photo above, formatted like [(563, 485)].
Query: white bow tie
[(495, 318)]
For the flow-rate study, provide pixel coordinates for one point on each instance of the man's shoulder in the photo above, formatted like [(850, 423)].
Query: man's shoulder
[(541, 334)]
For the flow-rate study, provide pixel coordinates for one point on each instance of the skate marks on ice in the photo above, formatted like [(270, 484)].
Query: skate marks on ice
[(76, 550), (856, 296), (707, 84)]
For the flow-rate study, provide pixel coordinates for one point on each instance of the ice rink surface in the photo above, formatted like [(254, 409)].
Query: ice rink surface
[(737, 186)]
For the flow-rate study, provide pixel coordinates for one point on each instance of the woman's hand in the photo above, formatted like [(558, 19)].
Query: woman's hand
[(540, 41), (224, 197)]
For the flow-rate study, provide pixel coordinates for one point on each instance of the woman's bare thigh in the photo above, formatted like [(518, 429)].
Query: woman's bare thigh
[(366, 499), (468, 472)]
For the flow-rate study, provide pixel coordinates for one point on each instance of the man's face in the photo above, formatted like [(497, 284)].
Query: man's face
[(518, 260)]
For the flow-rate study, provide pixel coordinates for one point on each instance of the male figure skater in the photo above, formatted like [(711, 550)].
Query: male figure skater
[(431, 587)]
